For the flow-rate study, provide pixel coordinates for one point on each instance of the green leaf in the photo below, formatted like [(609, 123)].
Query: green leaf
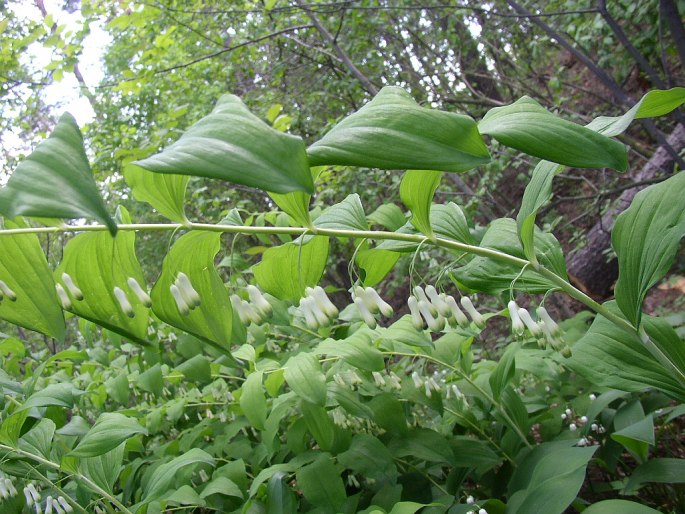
[(554, 479), (491, 276), (319, 424), (530, 128), (166, 193), (504, 372), (230, 141), (661, 471), (646, 237), (280, 499), (253, 401), (110, 430), (151, 380), (196, 369), (38, 440), (375, 264), (185, 495), (97, 264), (163, 478), (296, 205), (369, 457), (652, 104), (346, 215), (403, 331), (393, 132), (322, 485), (24, 269), (304, 376), (285, 271), (637, 437), (55, 180), (222, 485), (424, 444), (608, 356), (193, 254), (416, 191), (60, 395), (388, 215), (357, 350), (118, 388), (104, 469), (622, 506)]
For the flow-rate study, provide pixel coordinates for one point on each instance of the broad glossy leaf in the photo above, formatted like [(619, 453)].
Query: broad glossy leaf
[(285, 271), (375, 264), (637, 437), (491, 276), (530, 128), (357, 350), (322, 485), (193, 254), (253, 400), (97, 263), (368, 456), (55, 180), (186, 496), (280, 499), (389, 216), (233, 144), (164, 192), (151, 380), (165, 475), (38, 440), (296, 205), (62, 394), (661, 470), (222, 485), (110, 430), (609, 356), (616, 506), (346, 215), (416, 191), (393, 132), (646, 237), (104, 469), (319, 424), (196, 369), (25, 270), (304, 376), (539, 189)]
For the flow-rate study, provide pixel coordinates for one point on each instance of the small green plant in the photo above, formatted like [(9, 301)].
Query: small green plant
[(253, 392)]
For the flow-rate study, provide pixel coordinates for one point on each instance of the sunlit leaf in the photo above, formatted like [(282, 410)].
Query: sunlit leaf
[(165, 474), (417, 190), (394, 132), (233, 144), (346, 215), (55, 180), (164, 192)]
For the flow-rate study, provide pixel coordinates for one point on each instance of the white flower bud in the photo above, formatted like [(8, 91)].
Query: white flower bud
[(71, 287), (309, 317), (482, 511), (517, 326), (58, 508), (34, 493), (594, 427), (550, 324), (9, 293), (191, 297), (427, 388), (563, 415), (139, 292), (533, 327), (476, 316), (572, 427), (382, 305), (592, 397), (456, 313), (438, 301), (10, 487), (239, 307), (434, 324), (416, 318), (569, 412), (257, 298), (252, 313), (125, 305), (314, 308), (65, 504), (63, 297), (4, 492), (324, 303), (421, 295), (48, 505), (183, 307), (470, 500), (365, 313), (583, 419), (417, 380), (378, 379), (29, 497)]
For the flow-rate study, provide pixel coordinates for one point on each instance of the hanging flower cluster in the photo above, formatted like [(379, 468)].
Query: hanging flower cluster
[(432, 310), (545, 329), (369, 304), (185, 295), (256, 311), (316, 308)]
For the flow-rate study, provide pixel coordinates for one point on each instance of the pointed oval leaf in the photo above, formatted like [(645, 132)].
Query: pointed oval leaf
[(233, 144), (622, 506), (661, 470), (346, 215), (285, 271), (164, 192), (163, 478), (193, 254), (388, 215), (253, 400), (393, 132), (97, 264), (55, 180), (646, 237), (530, 128), (296, 205), (375, 264), (304, 376), (38, 440), (110, 430), (104, 469), (416, 191), (24, 269), (322, 484)]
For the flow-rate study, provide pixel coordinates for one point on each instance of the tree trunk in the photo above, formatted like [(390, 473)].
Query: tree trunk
[(590, 269)]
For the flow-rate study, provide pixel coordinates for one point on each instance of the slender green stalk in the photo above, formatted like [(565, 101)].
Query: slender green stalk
[(82, 478)]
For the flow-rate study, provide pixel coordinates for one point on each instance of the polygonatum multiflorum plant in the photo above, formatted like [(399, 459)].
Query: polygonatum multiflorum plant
[(245, 388)]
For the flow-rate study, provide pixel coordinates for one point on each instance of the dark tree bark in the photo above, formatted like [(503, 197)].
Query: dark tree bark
[(589, 268)]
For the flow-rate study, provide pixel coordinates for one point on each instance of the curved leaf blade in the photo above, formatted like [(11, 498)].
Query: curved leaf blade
[(233, 144), (304, 376), (166, 193), (393, 132), (622, 506), (416, 191), (55, 180), (110, 430), (346, 215), (527, 126)]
